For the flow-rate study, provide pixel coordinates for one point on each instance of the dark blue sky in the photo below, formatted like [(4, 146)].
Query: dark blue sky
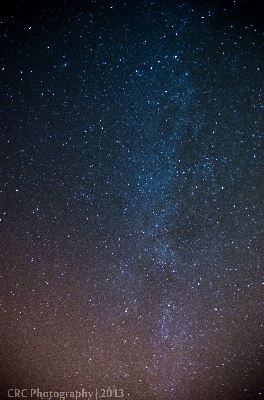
[(132, 197)]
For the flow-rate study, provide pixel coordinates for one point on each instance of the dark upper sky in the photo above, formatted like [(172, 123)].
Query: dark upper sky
[(132, 197)]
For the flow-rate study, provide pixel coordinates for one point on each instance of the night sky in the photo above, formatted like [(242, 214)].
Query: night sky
[(132, 188)]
